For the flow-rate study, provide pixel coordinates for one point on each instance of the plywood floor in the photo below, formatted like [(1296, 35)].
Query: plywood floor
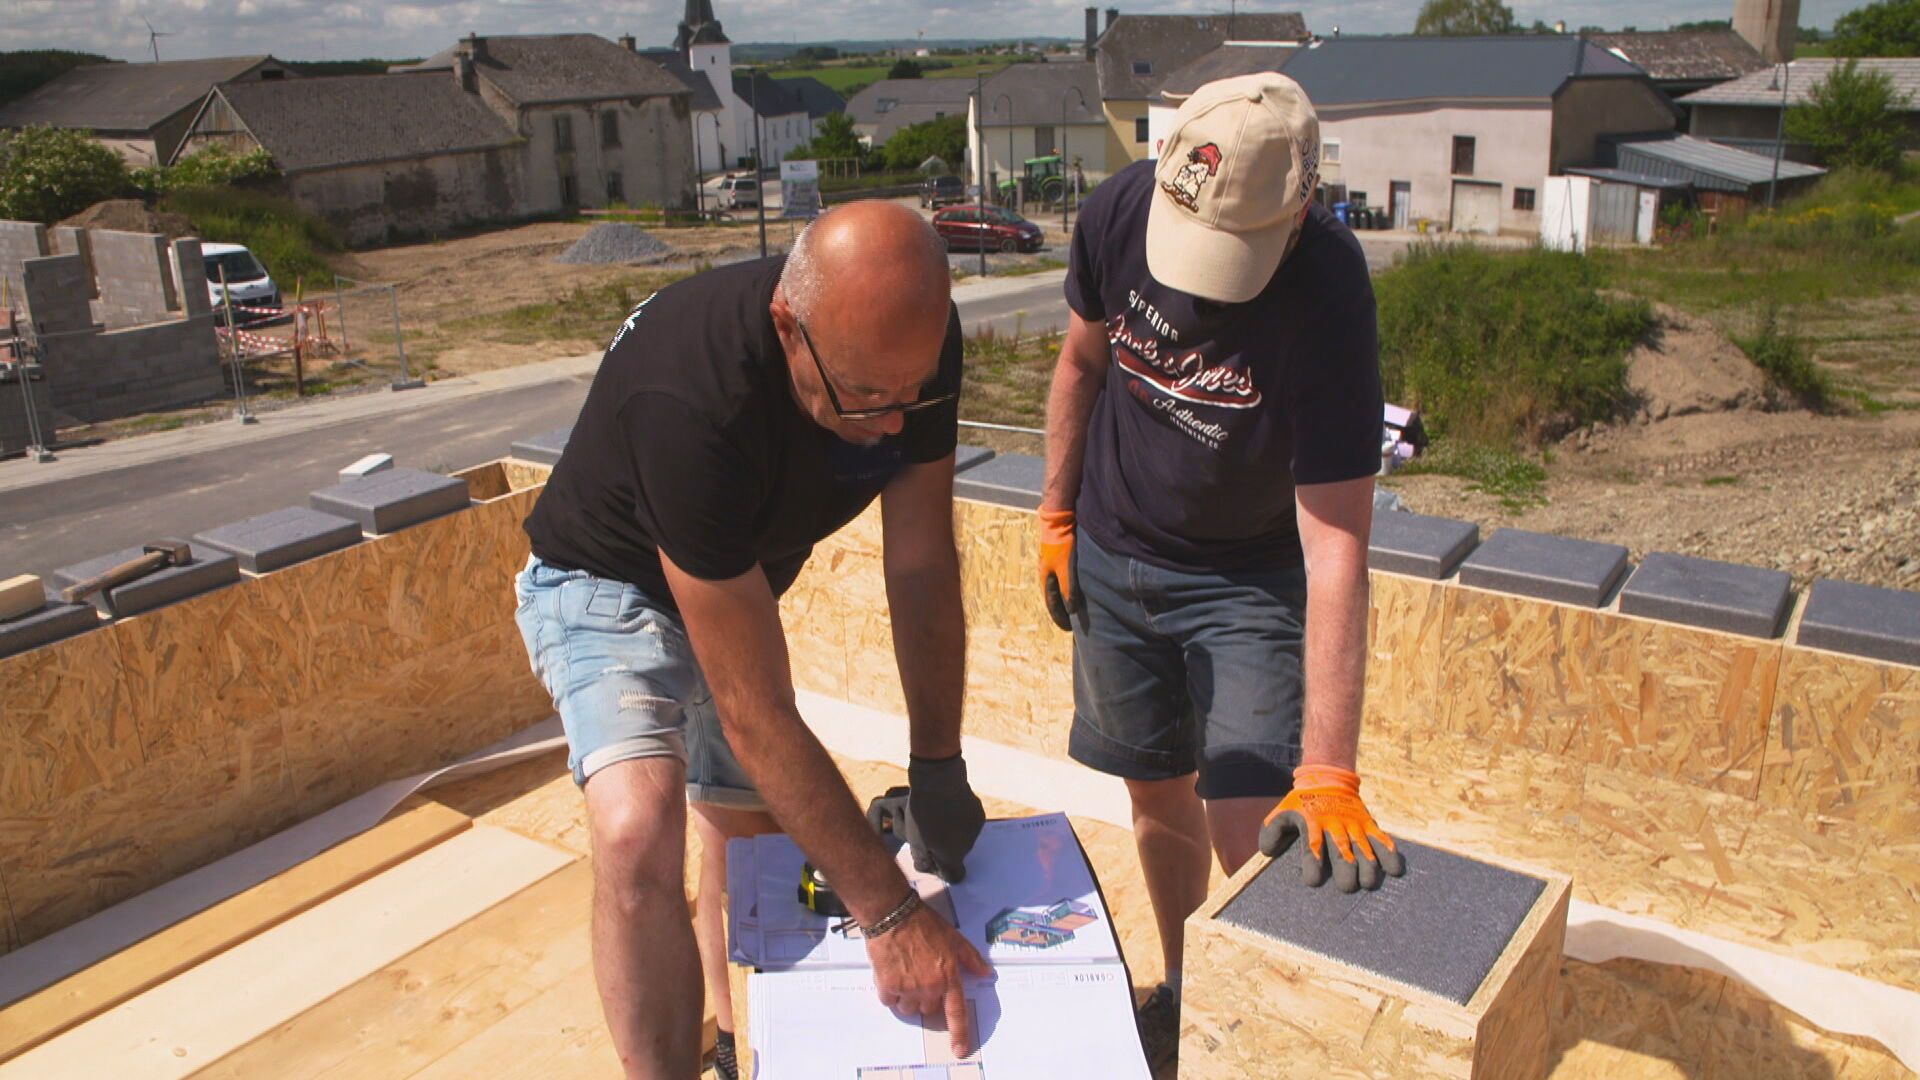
[(509, 992)]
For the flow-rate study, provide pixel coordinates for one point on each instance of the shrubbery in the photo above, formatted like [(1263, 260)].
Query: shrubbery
[(213, 166), (291, 242), (48, 173)]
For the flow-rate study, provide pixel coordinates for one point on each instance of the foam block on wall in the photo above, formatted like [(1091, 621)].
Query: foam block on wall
[(209, 569), (1703, 592), (1883, 624), (392, 500), (543, 449), (280, 538), (51, 622), (966, 457), (1008, 479), (1546, 567), (1418, 545)]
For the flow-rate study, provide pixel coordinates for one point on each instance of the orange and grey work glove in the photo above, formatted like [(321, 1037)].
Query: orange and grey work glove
[(1056, 566), (1325, 804)]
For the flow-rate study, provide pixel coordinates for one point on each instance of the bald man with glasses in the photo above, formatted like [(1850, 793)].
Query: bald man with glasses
[(739, 417)]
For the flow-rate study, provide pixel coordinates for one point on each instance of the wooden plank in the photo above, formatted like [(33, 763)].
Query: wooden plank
[(557, 1036), (425, 1005), (35, 1019), (205, 1013), (20, 594)]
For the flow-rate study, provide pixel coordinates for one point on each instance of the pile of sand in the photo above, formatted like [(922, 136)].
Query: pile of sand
[(131, 215), (1688, 366)]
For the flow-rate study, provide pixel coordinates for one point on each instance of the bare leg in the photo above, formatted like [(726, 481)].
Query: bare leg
[(1235, 827), (1170, 829), (717, 825), (644, 958)]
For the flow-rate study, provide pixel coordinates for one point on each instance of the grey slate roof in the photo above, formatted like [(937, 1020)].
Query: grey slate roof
[(704, 98), (1709, 166), (1685, 55), (819, 98), (1034, 94), (1762, 88), (556, 68), (1164, 42), (892, 104), (774, 100), (124, 98), (323, 123), (1370, 70)]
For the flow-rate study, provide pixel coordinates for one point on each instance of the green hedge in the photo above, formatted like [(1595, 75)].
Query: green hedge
[(292, 243)]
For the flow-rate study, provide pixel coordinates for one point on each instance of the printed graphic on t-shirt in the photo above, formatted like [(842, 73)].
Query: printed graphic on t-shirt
[(1170, 379)]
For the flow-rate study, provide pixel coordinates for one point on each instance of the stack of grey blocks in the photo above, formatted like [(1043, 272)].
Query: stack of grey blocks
[(1417, 545), (1546, 567), (207, 570), (1712, 595), (270, 541), (1883, 624), (54, 621), (389, 501)]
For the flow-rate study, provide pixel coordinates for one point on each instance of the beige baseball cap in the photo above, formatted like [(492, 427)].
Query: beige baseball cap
[(1234, 179)]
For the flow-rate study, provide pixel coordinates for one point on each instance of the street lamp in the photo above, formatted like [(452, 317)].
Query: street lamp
[(980, 166), (1010, 175), (699, 170), (759, 166), (1067, 180), (1780, 131)]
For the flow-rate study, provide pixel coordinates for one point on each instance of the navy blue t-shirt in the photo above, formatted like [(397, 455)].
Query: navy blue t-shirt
[(1212, 413)]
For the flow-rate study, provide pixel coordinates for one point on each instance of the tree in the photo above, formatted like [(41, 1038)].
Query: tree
[(904, 69), (49, 173), (945, 138), (1459, 17), (833, 137), (1852, 117), (1886, 28), (24, 71)]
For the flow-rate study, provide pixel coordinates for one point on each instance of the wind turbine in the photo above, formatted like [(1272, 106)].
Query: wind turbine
[(153, 38)]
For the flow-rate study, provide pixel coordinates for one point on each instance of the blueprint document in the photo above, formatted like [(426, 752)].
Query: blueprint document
[(1059, 1004)]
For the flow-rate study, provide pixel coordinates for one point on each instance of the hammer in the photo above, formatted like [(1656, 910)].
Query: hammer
[(158, 556)]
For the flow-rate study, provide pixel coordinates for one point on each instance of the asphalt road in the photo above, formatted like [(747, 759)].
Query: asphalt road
[(180, 489)]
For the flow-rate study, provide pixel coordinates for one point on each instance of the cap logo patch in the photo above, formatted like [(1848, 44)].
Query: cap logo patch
[(1202, 163), (1309, 152)]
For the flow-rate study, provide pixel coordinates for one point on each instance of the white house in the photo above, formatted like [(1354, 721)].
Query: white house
[(724, 124)]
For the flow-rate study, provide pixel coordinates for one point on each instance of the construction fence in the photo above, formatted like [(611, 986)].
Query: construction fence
[(317, 342)]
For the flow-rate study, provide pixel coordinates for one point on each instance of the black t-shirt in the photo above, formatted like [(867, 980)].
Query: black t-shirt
[(1213, 412), (691, 443)]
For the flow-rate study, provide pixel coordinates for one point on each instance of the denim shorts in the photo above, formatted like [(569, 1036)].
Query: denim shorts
[(623, 676), (1177, 672)]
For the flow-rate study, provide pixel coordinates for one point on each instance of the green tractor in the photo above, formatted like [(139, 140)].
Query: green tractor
[(1042, 181)]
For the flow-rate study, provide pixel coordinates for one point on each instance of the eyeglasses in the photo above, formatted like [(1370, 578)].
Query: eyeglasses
[(833, 398)]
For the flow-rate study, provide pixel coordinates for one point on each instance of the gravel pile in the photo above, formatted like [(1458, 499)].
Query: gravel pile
[(614, 242)]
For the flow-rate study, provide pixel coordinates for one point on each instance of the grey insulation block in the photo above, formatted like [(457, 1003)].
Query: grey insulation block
[(1881, 624), (51, 623), (209, 569), (966, 457), (269, 541), (543, 449), (1546, 567), (1418, 545), (1440, 927), (1702, 592), (1007, 479), (392, 500)]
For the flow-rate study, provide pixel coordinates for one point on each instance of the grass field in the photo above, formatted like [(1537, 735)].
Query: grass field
[(848, 79)]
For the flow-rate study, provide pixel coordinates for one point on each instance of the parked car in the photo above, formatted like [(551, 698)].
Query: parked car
[(740, 193), (989, 228), (248, 283), (941, 191)]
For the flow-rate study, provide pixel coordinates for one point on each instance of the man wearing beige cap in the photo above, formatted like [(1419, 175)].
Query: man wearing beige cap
[(1213, 432)]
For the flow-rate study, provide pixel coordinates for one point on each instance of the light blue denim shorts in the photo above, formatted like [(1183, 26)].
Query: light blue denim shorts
[(624, 679)]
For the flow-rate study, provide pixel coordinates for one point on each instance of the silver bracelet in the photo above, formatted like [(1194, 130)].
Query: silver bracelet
[(891, 921)]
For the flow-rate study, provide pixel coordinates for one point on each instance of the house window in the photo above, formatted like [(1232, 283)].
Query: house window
[(569, 190), (609, 128), (1463, 155), (563, 133), (1523, 198), (938, 115), (1043, 140), (616, 191), (1330, 152), (1143, 67), (1140, 129)]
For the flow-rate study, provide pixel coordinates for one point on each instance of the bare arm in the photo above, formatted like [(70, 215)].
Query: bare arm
[(735, 629), (1335, 520), (1077, 380), (923, 595)]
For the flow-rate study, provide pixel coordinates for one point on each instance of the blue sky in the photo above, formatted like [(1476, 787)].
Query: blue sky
[(344, 29)]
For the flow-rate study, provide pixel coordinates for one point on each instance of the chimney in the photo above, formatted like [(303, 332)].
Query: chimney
[(1093, 30), (1112, 14), (627, 43), (1769, 26), (475, 47), (463, 72)]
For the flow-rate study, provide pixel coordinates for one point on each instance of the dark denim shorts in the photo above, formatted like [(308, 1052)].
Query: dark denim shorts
[(1175, 672)]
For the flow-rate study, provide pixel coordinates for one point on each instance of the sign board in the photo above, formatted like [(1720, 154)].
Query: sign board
[(799, 189)]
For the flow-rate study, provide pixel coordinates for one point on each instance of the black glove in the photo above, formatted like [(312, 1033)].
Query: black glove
[(943, 817)]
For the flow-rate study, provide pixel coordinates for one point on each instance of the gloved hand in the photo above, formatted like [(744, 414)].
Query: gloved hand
[(1325, 802), (1056, 566), (944, 816)]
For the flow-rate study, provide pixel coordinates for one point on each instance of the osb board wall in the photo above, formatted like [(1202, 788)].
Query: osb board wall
[(139, 751), (1845, 741)]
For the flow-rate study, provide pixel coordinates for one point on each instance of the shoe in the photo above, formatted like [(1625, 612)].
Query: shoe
[(1158, 1019), (725, 1065)]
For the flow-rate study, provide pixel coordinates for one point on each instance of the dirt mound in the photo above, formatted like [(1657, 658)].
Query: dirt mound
[(1689, 367), (614, 242), (131, 215)]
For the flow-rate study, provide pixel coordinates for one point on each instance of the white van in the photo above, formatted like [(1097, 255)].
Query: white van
[(740, 192), (247, 281)]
